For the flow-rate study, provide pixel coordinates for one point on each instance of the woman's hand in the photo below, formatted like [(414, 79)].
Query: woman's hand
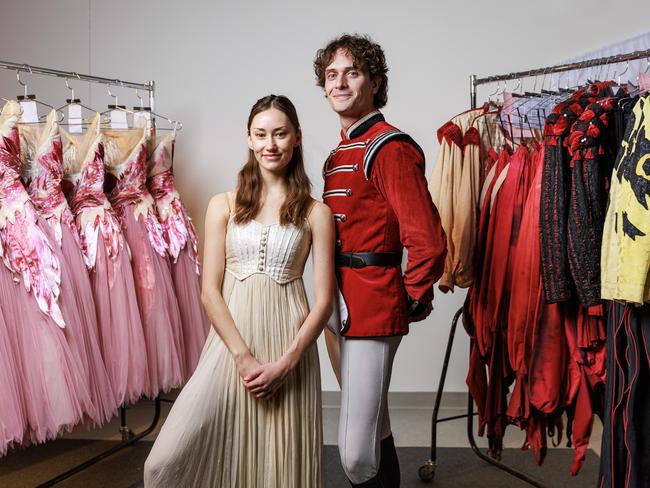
[(246, 365), (266, 380)]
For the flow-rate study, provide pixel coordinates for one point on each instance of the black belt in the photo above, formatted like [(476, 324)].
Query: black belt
[(363, 259)]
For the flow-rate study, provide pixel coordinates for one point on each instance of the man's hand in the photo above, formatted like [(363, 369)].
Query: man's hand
[(416, 310), (421, 315)]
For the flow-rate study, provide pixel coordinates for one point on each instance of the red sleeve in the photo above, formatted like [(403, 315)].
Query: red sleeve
[(398, 174)]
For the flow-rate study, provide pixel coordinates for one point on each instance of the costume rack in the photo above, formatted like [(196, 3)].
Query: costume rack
[(428, 469), (128, 436)]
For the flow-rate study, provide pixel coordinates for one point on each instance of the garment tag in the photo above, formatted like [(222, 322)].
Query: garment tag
[(118, 119), (30, 113), (142, 119), (644, 82), (74, 118)]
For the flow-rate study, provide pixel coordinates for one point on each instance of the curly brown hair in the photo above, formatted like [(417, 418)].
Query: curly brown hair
[(367, 55), (249, 180)]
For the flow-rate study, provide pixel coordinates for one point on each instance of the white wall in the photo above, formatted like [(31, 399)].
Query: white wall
[(212, 60)]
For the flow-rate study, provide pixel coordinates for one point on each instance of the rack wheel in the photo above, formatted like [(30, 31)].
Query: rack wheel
[(127, 433), (427, 471)]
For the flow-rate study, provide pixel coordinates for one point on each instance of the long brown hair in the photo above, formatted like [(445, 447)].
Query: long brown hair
[(249, 181)]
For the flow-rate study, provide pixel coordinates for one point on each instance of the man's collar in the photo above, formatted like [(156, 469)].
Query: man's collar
[(362, 125)]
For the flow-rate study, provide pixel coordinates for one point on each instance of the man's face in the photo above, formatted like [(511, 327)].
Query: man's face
[(348, 89)]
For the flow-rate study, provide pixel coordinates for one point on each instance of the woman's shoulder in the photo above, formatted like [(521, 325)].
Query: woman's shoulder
[(221, 204), (318, 212)]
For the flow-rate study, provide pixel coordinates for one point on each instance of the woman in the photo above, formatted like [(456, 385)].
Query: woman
[(250, 416)]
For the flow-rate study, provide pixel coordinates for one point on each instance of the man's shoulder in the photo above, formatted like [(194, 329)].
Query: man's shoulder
[(387, 143)]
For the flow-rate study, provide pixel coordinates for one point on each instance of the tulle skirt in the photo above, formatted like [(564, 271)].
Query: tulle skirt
[(52, 387), (12, 419), (158, 306), (78, 308), (193, 318), (120, 327), (218, 434)]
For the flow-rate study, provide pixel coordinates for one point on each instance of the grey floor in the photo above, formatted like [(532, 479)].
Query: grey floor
[(411, 422), (411, 425)]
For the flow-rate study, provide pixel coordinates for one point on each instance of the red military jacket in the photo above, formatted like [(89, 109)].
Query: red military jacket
[(375, 186)]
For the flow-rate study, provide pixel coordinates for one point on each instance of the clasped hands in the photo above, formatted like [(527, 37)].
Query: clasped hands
[(263, 380)]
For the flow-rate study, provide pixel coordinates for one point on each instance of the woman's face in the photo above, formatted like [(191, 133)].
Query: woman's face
[(272, 138)]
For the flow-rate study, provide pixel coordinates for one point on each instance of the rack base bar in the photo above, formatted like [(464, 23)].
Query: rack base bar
[(427, 471), (109, 452)]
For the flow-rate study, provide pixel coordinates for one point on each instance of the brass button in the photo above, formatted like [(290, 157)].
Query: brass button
[(338, 242), (348, 192)]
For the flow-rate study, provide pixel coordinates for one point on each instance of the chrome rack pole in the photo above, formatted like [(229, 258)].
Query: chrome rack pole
[(71, 74)]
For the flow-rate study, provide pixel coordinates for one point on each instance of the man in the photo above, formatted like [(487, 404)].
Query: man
[(375, 186)]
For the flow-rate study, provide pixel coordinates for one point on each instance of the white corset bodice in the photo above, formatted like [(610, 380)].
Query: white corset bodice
[(278, 251)]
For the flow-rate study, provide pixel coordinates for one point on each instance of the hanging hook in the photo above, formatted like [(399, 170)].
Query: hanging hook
[(559, 79), (495, 92), (613, 77), (541, 87), (137, 94), (20, 82), (67, 84), (505, 87), (598, 76), (582, 68), (108, 88), (647, 68), (543, 78), (627, 66)]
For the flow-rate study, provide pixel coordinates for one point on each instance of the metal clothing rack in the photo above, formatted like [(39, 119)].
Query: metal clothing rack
[(428, 469), (72, 75), (128, 436)]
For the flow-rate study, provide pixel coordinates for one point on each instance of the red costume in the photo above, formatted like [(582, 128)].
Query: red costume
[(375, 186)]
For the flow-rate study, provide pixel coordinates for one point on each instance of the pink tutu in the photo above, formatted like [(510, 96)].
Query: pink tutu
[(52, 388), (125, 160), (106, 256), (182, 248), (44, 172), (54, 393), (12, 419)]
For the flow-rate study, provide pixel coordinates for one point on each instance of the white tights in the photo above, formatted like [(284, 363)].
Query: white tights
[(366, 366)]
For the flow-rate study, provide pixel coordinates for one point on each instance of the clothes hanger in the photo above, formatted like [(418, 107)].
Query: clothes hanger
[(116, 105), (76, 101), (546, 99), (106, 115), (515, 102), (638, 76), (25, 97), (175, 125), (493, 94), (647, 68)]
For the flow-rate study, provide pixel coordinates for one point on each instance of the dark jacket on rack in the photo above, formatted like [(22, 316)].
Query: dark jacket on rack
[(556, 192), (591, 146)]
